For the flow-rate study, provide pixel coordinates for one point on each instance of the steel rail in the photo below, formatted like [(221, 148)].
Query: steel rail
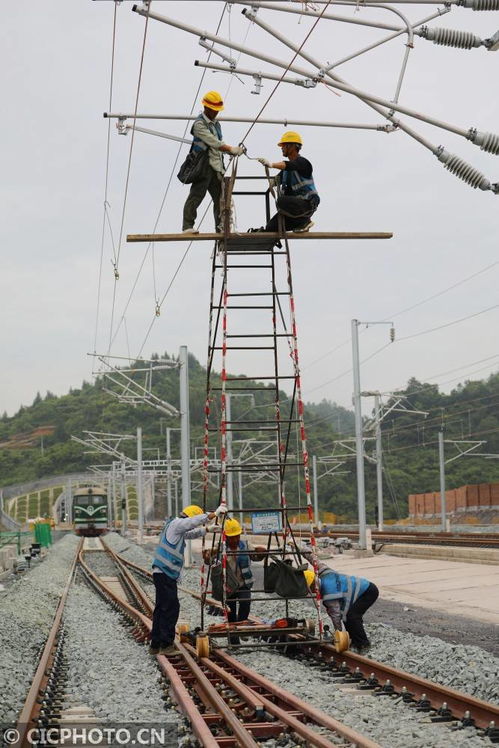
[(32, 705), (460, 704)]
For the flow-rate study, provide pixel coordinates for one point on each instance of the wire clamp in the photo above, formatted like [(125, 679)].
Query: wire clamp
[(258, 84), (121, 126)]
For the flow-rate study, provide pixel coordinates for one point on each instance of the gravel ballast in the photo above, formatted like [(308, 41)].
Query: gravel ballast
[(27, 609), (465, 668)]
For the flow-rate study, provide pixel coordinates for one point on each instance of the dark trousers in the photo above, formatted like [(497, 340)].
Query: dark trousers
[(166, 611), (354, 623), (295, 210), (240, 599), (210, 182)]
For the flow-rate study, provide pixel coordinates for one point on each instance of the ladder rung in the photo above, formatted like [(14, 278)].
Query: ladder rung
[(221, 267), (244, 348), (248, 428), (241, 306), (245, 379), (261, 335), (242, 389), (268, 423), (261, 293)]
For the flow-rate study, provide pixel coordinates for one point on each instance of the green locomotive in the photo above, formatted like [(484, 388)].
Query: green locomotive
[(90, 511)]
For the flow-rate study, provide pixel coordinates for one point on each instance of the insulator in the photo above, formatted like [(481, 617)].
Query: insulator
[(392, 334), (481, 4), (487, 141), (463, 170), (451, 38)]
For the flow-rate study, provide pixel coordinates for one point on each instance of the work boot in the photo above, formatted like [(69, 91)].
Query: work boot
[(168, 649), (302, 229), (255, 231), (190, 230), (153, 648)]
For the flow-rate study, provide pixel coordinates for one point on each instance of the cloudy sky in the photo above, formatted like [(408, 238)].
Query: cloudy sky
[(56, 60)]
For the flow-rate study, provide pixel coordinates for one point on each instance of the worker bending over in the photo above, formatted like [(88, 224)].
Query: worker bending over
[(346, 599), (207, 135), (240, 554), (297, 197), (167, 565)]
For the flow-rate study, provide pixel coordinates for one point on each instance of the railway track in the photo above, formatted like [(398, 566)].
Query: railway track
[(440, 703), (226, 704), (471, 540)]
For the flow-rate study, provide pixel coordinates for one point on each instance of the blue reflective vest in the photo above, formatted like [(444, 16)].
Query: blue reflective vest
[(342, 587), (244, 563), (214, 127), (290, 181), (169, 557)]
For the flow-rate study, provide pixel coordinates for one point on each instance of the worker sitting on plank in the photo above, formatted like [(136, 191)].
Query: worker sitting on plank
[(297, 197), (346, 599), (167, 565)]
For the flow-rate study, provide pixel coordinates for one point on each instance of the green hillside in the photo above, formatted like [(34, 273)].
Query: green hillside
[(471, 411)]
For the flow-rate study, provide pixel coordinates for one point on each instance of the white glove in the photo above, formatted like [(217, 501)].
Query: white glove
[(213, 528), (222, 509), (237, 150), (264, 162)]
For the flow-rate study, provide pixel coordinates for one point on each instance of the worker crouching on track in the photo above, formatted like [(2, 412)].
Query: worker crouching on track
[(207, 136), (297, 197), (167, 566), (240, 554), (346, 599)]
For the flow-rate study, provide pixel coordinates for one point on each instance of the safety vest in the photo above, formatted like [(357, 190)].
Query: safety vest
[(214, 127), (169, 557), (342, 587), (244, 562), (290, 180)]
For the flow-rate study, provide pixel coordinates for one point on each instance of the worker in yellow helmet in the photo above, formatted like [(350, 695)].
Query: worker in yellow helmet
[(346, 598), (240, 554), (207, 139), (167, 566), (297, 197)]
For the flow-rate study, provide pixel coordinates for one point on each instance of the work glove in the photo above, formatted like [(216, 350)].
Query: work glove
[(222, 509), (237, 150), (213, 528), (264, 162)]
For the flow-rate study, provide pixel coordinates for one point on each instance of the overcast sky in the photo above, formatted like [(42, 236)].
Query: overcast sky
[(55, 60)]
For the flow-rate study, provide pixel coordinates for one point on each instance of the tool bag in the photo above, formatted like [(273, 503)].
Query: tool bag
[(285, 580), (193, 167), (231, 582)]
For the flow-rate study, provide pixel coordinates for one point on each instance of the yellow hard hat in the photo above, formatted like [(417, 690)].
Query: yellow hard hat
[(213, 100), (193, 510), (291, 137), (232, 527), (309, 576)]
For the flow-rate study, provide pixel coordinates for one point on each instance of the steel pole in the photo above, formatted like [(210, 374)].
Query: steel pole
[(379, 461), (169, 509), (359, 447), (185, 438), (139, 485), (230, 476), (441, 457), (123, 500), (316, 494), (240, 487)]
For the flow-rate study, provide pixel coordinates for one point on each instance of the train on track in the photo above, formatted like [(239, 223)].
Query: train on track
[(90, 511)]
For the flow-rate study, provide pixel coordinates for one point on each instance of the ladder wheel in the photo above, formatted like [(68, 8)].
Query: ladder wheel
[(341, 640), (202, 646), (182, 630)]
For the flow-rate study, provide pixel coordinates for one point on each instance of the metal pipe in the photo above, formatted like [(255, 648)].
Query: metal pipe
[(443, 503), (379, 461), (169, 474), (140, 487), (316, 494), (185, 438), (359, 447), (229, 477), (285, 121)]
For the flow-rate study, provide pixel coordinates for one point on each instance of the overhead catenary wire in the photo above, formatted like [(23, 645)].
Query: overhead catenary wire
[(105, 217)]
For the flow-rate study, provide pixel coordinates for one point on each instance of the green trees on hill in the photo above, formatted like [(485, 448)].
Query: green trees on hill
[(470, 411)]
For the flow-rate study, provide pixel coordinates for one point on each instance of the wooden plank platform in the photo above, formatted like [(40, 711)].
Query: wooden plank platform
[(259, 235)]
